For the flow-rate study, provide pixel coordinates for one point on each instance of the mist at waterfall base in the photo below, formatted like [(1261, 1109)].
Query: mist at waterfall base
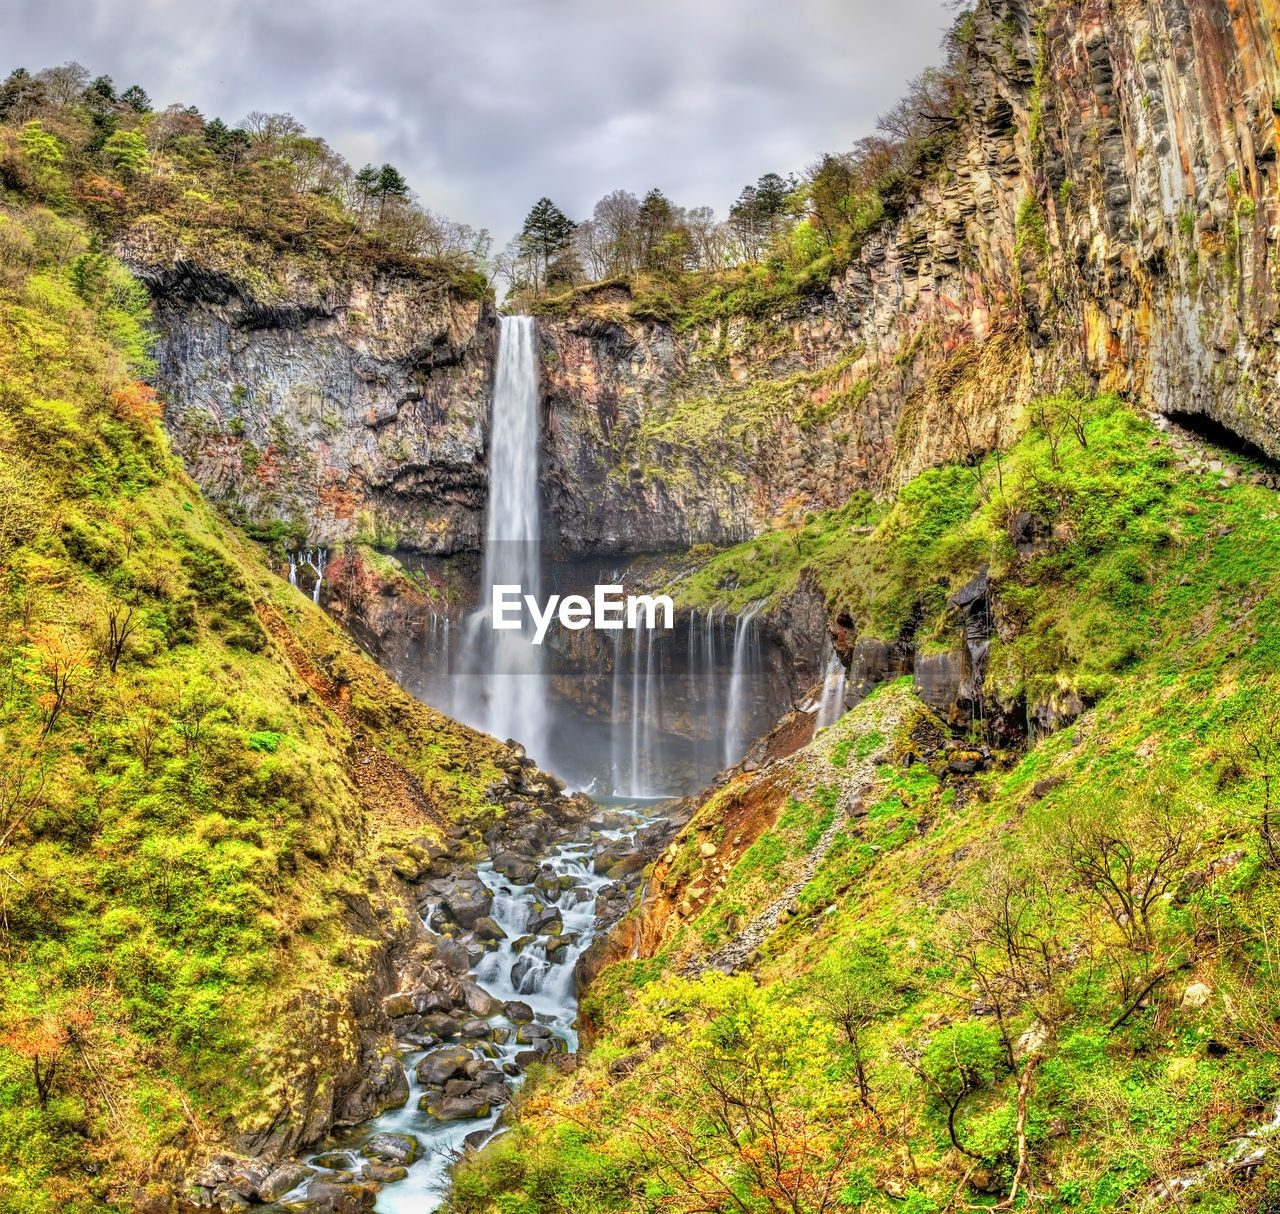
[(626, 713), (631, 713)]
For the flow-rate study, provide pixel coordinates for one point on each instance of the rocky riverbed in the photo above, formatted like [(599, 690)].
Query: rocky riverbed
[(510, 904)]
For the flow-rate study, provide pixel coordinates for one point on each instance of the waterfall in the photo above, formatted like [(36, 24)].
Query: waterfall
[(510, 699), (652, 708), (636, 712), (833, 684), (315, 559), (615, 717), (746, 668)]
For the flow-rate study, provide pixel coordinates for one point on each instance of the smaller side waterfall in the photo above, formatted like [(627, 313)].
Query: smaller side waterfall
[(747, 663), (833, 690), (315, 559)]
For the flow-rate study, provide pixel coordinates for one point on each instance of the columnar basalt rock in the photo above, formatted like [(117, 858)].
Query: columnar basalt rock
[(1106, 220), (354, 410)]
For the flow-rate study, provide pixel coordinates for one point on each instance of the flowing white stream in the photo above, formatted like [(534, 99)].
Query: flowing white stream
[(529, 976), (742, 679), (833, 689)]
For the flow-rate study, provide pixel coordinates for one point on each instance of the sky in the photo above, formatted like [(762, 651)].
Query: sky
[(486, 105)]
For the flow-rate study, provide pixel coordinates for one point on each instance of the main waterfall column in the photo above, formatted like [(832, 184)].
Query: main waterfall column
[(512, 683)]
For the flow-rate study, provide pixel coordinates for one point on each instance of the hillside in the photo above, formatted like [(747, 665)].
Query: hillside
[(212, 805), (909, 965), (980, 425)]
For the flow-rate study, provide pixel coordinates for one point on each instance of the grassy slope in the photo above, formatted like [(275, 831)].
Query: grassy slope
[(947, 893), (180, 835)]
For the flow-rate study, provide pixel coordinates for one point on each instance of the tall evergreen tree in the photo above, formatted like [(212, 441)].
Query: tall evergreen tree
[(544, 238)]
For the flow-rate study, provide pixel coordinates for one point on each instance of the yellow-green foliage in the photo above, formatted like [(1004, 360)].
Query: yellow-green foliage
[(697, 436), (269, 212), (179, 826), (1131, 553), (1090, 922)]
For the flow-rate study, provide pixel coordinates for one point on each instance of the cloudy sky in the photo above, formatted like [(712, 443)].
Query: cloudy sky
[(488, 104)]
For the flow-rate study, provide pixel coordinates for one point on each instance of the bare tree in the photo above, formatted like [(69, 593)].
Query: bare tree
[(64, 84)]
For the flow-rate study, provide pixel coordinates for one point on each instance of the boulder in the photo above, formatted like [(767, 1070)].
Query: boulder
[(630, 863), (516, 868), (455, 1108), (476, 1139), (479, 1002), (1196, 995), (523, 968), (396, 1150), (528, 1033), (400, 1004), (453, 956), (477, 1028), (438, 1067), (325, 1197), (338, 1161), (545, 921), (388, 1085), (383, 1174), (517, 1011), (467, 901), (282, 1179), (246, 1176), (440, 1025), (486, 929)]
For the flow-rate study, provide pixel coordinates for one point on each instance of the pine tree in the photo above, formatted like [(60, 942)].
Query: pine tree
[(544, 237)]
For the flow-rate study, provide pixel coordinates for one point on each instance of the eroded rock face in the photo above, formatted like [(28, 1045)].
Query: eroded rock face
[(1106, 221), (359, 409)]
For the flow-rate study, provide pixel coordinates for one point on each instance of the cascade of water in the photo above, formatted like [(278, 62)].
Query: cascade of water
[(652, 709), (319, 562), (710, 683), (615, 716), (510, 698), (315, 559), (833, 684), (746, 662), (635, 712), (514, 969)]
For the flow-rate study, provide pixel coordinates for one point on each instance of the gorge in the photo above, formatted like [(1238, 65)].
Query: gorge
[(927, 862)]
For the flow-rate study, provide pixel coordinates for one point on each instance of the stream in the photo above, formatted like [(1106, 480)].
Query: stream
[(515, 969)]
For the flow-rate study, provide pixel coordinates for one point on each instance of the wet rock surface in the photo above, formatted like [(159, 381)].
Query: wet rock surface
[(478, 1001)]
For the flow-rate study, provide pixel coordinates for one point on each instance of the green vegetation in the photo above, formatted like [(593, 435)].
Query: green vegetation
[(264, 203), (1051, 980), (783, 239), (1125, 549), (181, 829)]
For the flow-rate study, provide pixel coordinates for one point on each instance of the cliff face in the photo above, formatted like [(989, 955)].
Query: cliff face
[(1106, 221), (354, 410)]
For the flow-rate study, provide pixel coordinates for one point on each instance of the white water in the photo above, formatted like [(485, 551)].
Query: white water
[(548, 988), (506, 695), (831, 708), (315, 559), (742, 679)]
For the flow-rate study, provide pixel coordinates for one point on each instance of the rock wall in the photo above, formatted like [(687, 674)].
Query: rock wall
[(354, 411), (1106, 221)]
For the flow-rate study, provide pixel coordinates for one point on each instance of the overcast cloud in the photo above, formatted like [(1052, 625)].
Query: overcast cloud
[(486, 105)]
